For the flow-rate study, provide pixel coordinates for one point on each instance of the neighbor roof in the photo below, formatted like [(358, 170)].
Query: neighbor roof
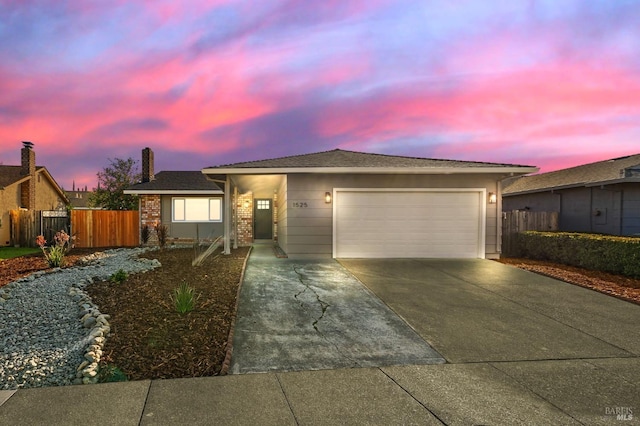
[(340, 161), (616, 170), (10, 175), (176, 182)]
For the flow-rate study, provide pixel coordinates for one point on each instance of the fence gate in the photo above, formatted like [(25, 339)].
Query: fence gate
[(517, 221), (52, 221)]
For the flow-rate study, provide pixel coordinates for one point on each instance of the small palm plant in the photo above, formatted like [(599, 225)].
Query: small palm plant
[(184, 298)]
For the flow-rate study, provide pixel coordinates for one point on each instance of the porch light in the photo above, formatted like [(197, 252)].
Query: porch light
[(327, 197), (493, 198)]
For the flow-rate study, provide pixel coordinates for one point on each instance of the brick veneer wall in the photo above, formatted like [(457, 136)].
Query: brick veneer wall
[(244, 206), (275, 217), (150, 214)]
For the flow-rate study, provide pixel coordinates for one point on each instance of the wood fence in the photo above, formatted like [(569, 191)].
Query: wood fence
[(24, 229), (105, 228), (517, 221)]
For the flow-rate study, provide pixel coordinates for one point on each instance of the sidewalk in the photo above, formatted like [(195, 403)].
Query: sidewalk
[(538, 392)]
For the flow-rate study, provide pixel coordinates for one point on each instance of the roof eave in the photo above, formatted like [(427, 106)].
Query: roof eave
[(574, 185), (614, 181), (369, 170), (173, 191)]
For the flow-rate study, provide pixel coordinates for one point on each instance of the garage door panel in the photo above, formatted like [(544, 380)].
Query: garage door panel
[(435, 224)]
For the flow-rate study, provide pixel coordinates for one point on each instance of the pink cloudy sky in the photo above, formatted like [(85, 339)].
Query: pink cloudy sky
[(551, 83)]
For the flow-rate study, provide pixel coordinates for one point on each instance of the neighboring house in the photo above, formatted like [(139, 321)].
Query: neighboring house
[(186, 202), (27, 187), (350, 204), (602, 197), (79, 199)]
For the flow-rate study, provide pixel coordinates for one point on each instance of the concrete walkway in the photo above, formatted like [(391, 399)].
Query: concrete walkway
[(521, 350)]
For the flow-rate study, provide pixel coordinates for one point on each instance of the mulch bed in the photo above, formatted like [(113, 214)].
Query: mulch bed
[(619, 286), (17, 267), (149, 338)]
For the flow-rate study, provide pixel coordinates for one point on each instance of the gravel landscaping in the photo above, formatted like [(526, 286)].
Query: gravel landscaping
[(50, 333)]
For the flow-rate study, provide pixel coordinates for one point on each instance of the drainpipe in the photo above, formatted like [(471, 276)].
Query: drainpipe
[(499, 218), (235, 218), (227, 215)]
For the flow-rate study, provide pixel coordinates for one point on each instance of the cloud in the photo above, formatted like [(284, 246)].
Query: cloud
[(527, 82)]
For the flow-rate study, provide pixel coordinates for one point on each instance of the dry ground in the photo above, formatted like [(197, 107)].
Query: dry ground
[(150, 340)]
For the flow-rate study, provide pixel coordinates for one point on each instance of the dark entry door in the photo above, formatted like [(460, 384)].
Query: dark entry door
[(263, 219)]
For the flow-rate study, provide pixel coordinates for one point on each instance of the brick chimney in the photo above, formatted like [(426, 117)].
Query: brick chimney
[(28, 168), (147, 165)]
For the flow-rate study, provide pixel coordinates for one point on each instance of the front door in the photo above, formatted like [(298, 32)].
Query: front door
[(263, 219)]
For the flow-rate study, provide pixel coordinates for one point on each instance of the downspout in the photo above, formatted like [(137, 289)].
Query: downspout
[(499, 217), (227, 215), (235, 218)]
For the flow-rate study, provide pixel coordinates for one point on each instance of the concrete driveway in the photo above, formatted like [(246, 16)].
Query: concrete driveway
[(311, 315), (481, 310)]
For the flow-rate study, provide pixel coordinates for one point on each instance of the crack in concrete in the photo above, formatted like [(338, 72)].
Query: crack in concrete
[(323, 305)]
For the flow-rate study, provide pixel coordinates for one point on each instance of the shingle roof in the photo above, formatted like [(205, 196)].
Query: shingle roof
[(11, 174), (603, 172), (179, 181), (352, 159)]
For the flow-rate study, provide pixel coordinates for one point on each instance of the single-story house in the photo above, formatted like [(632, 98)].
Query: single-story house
[(27, 187), (601, 197), (345, 204), (186, 202)]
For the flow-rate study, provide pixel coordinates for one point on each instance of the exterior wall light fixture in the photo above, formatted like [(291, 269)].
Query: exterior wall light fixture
[(493, 198), (327, 197)]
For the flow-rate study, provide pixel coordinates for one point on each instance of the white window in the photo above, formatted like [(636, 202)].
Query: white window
[(263, 204), (197, 209)]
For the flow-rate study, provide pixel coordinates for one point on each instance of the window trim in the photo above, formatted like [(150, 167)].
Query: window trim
[(214, 210)]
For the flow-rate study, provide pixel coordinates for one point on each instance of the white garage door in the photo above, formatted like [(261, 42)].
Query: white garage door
[(408, 223)]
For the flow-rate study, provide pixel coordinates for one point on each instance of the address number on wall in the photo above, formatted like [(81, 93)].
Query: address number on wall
[(300, 204)]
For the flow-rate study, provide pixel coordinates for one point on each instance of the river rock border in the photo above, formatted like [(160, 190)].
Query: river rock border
[(95, 321), (95, 267)]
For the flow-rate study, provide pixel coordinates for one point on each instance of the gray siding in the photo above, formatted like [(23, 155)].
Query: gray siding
[(631, 210), (540, 202), (310, 220), (283, 220), (612, 209), (190, 230), (575, 210)]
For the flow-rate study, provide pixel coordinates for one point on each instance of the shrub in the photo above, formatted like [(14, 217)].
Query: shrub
[(617, 255), (110, 373), (54, 254), (118, 277), (163, 234), (145, 234), (184, 298)]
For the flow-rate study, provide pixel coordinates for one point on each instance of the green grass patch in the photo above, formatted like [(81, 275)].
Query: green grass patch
[(11, 252)]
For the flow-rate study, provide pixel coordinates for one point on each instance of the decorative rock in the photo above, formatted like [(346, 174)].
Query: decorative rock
[(89, 322), (42, 321)]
